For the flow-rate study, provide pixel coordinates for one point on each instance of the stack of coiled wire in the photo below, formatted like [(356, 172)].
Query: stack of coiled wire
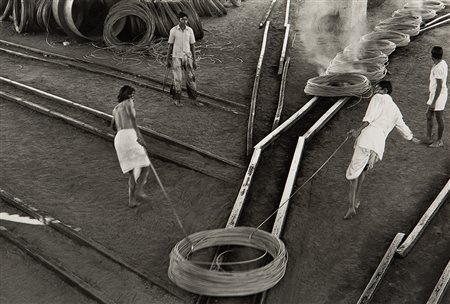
[(425, 14), (5, 9), (400, 39), (385, 46), (372, 70), (199, 278), (426, 4), (339, 85), (409, 25), (208, 8)]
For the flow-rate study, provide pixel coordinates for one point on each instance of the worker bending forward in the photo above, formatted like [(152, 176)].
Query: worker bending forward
[(129, 144)]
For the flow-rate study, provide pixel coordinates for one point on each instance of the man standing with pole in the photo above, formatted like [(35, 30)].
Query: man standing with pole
[(181, 59)]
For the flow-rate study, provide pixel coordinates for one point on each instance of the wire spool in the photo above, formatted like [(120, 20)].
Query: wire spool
[(208, 8), (385, 46), (338, 85), (362, 56), (24, 15), (5, 9), (373, 71), (126, 37), (400, 39), (427, 4), (408, 19), (408, 29), (191, 276), (446, 2), (44, 16), (425, 14)]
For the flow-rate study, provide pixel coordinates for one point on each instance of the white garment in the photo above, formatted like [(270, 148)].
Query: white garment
[(382, 115), (130, 153), (439, 71), (181, 40)]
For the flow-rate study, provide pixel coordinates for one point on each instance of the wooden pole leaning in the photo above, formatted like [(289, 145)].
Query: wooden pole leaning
[(415, 234), (379, 273), (283, 50), (266, 16), (286, 16), (277, 118), (434, 25), (251, 118), (437, 19), (441, 287)]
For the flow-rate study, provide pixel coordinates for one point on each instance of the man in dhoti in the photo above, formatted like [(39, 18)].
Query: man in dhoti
[(381, 117), (130, 145)]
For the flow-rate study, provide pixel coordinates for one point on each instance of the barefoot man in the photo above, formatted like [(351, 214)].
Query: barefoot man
[(381, 117), (130, 145)]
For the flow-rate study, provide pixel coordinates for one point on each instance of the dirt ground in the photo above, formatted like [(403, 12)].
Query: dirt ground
[(330, 260)]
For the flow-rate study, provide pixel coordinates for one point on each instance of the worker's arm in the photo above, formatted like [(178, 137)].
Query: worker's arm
[(194, 61), (436, 93), (355, 132), (132, 115), (169, 55)]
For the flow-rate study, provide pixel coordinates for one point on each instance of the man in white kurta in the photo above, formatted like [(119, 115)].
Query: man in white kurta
[(381, 117), (438, 96)]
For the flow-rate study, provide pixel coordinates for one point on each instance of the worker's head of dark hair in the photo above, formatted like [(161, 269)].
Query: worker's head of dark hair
[(437, 52), (125, 93), (384, 84), (182, 15)]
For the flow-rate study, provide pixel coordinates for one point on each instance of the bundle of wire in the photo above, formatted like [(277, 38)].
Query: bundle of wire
[(44, 16), (385, 46), (208, 8), (338, 85), (373, 71), (408, 19), (426, 14), (24, 15), (5, 9), (427, 4), (400, 39), (197, 278), (408, 29), (361, 56)]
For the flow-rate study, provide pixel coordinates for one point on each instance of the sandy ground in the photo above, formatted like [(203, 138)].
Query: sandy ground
[(331, 260)]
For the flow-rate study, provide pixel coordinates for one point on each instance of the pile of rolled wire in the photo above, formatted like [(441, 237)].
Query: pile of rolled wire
[(208, 8), (408, 29), (385, 46), (5, 9), (199, 278), (338, 85), (44, 16), (426, 14), (427, 4), (400, 39), (408, 19), (361, 56)]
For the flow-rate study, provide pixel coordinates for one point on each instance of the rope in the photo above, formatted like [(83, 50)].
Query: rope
[(425, 14), (338, 85), (196, 279), (400, 39)]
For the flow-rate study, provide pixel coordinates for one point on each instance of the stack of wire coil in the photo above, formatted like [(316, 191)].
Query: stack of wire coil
[(400, 39), (425, 14), (427, 4), (385, 46), (208, 8), (5, 9), (338, 85)]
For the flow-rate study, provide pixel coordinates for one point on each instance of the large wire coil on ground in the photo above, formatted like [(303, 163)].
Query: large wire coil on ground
[(5, 9), (196, 278), (338, 85), (373, 71), (385, 46), (426, 4), (408, 29), (425, 14), (408, 19), (361, 56), (44, 16), (208, 8), (400, 39)]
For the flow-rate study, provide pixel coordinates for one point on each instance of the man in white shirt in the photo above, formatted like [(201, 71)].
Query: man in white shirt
[(381, 117), (181, 58), (438, 96)]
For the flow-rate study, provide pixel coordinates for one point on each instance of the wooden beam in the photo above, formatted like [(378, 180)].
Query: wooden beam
[(251, 117), (434, 25), (283, 50), (289, 185), (286, 16), (414, 236), (376, 278), (266, 16), (436, 20), (243, 191), (68, 276), (441, 287), (287, 124), (276, 121), (325, 118)]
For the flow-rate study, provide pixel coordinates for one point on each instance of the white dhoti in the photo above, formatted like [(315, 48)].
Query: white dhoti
[(362, 158), (130, 153)]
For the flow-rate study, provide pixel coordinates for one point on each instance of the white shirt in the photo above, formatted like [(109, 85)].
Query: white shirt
[(181, 40), (382, 115), (439, 71)]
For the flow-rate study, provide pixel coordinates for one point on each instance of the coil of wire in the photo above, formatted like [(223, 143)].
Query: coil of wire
[(139, 29), (338, 85), (208, 8), (408, 29), (5, 9), (400, 39), (196, 278), (425, 14), (373, 71), (362, 56), (408, 19), (427, 4), (44, 16), (24, 13), (385, 46)]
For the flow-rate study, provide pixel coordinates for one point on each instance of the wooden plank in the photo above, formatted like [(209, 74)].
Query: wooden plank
[(251, 117), (72, 233), (434, 25), (325, 118), (266, 16), (287, 124), (286, 16), (283, 50), (289, 185), (243, 191), (436, 20), (276, 121), (414, 236), (441, 287), (68, 276), (376, 278)]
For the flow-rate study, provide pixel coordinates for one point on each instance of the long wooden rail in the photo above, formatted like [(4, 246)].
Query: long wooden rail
[(284, 48), (280, 105), (441, 287)]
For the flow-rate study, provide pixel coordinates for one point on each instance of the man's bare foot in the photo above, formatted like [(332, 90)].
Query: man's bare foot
[(132, 204), (357, 204), (350, 213), (141, 195), (178, 103)]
